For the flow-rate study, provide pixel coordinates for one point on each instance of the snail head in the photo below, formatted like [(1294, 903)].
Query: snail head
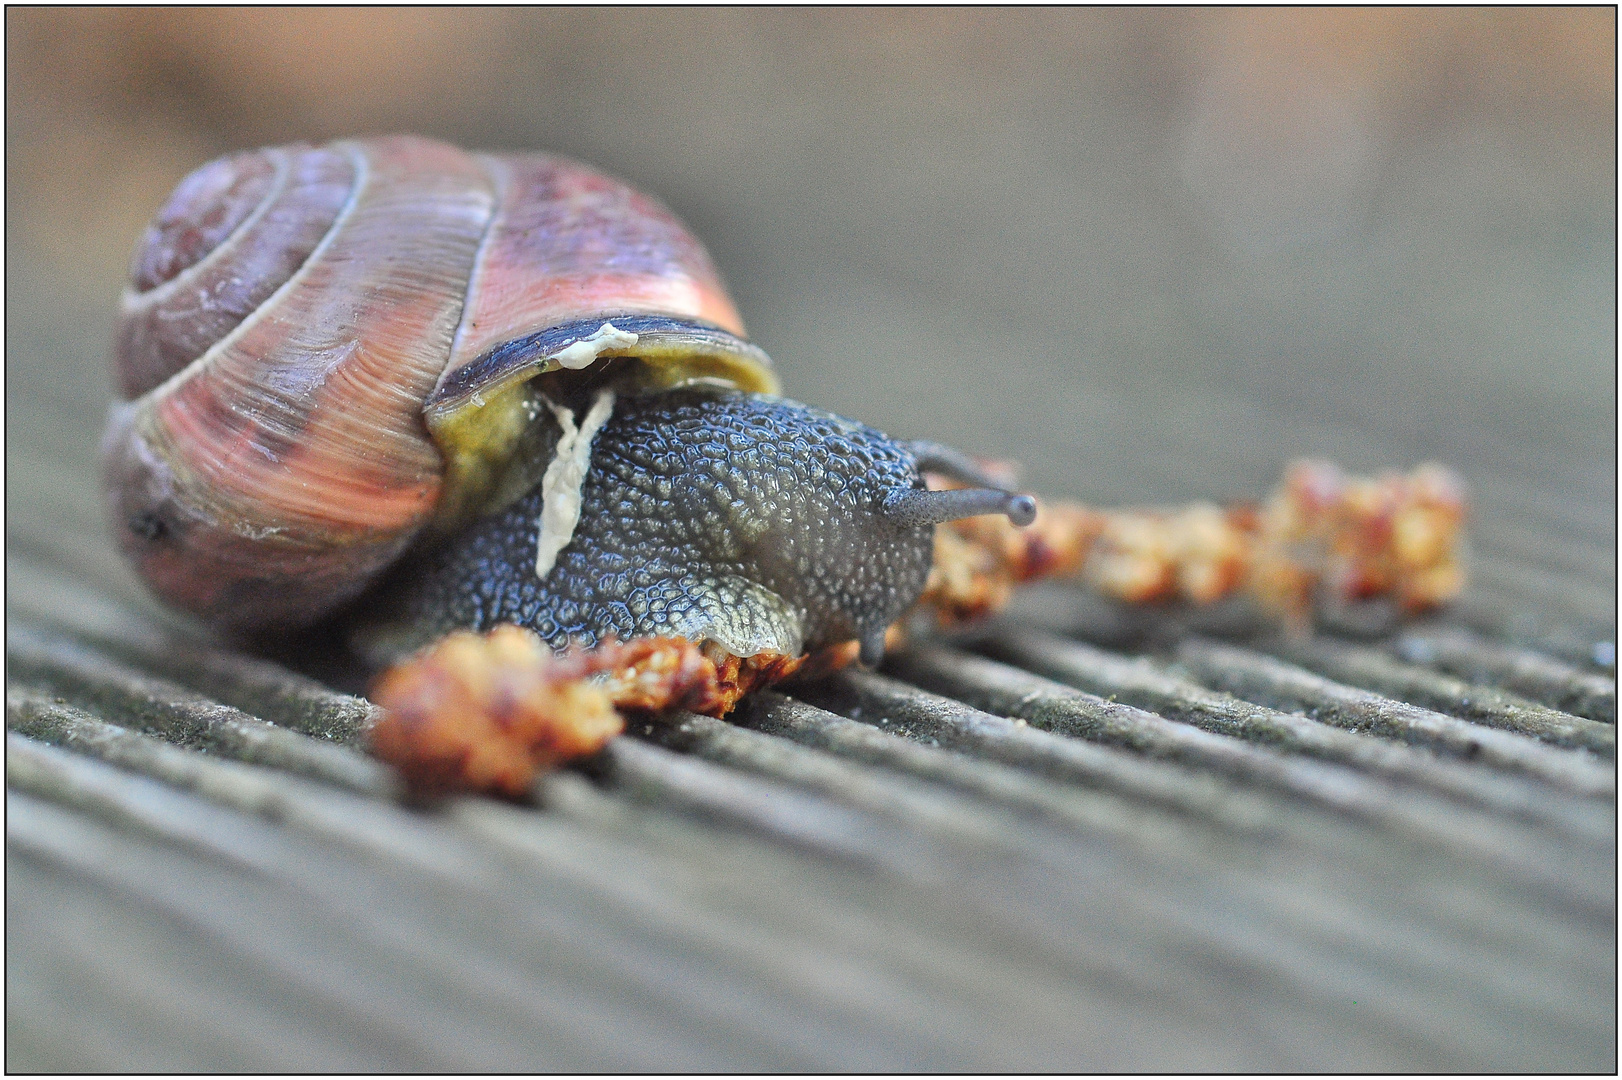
[(753, 521)]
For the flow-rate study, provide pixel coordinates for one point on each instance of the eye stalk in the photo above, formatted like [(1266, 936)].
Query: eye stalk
[(918, 507), (954, 464)]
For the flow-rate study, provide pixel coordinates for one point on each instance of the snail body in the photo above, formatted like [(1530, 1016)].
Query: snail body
[(342, 357)]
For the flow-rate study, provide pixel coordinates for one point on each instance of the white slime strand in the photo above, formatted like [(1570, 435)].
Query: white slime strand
[(565, 476)]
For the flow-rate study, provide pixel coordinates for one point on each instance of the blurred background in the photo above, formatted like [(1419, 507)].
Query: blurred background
[(1152, 254)]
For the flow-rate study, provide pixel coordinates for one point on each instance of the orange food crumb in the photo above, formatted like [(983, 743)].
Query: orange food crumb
[(489, 712), (1356, 538), (486, 712), (1321, 536), (654, 674)]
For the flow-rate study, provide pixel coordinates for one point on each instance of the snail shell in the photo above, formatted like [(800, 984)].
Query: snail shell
[(326, 350)]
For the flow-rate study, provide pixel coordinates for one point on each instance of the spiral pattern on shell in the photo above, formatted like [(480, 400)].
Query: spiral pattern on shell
[(293, 309), (232, 234)]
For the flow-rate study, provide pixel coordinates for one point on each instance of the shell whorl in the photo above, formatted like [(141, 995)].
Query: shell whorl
[(292, 310), (232, 234)]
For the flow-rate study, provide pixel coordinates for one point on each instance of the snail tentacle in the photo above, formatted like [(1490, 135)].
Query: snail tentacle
[(918, 507), (951, 463)]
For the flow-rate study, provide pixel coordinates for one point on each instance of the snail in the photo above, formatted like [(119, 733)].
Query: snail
[(421, 389)]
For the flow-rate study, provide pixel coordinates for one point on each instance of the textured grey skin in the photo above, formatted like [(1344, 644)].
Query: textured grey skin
[(744, 519)]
